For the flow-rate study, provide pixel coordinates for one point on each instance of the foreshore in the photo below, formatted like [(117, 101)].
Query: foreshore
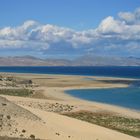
[(50, 101)]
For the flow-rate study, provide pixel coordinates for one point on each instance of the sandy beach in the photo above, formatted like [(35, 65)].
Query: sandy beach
[(41, 115)]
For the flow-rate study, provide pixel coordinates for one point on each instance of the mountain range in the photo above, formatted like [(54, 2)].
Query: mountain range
[(86, 60)]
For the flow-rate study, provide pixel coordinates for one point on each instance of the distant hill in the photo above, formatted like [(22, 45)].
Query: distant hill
[(107, 61), (81, 61), (30, 61)]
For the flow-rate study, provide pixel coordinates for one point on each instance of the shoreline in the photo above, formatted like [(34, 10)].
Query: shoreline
[(100, 102), (96, 76), (65, 96), (51, 100), (103, 106)]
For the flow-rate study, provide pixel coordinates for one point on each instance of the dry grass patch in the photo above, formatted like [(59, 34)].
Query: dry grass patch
[(126, 125)]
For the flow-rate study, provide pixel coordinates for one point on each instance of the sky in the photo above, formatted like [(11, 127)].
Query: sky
[(69, 28)]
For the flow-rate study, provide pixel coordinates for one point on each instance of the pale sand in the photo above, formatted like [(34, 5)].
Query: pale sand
[(60, 127), (73, 129)]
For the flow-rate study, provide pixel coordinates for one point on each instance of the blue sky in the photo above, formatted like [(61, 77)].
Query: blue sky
[(69, 28), (77, 14)]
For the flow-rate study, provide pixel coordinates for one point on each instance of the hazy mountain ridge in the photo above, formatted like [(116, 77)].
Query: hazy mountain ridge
[(81, 61)]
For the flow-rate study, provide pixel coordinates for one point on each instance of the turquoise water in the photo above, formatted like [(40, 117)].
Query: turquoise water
[(124, 97)]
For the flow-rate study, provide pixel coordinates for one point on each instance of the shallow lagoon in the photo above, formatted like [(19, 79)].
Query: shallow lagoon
[(124, 97)]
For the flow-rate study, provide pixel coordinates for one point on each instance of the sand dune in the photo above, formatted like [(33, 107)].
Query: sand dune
[(68, 128)]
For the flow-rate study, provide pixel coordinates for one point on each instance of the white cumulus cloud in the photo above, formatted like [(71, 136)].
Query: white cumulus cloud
[(112, 34)]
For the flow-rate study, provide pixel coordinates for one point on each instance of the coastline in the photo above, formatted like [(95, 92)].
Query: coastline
[(103, 96), (77, 75), (51, 91), (61, 91)]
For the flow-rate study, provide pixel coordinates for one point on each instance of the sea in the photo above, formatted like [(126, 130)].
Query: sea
[(124, 97)]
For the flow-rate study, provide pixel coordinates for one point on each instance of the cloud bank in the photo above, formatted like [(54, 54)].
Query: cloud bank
[(113, 36)]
